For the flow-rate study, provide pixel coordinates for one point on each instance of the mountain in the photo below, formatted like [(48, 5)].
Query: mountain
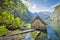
[(55, 20), (29, 16), (25, 17), (43, 15)]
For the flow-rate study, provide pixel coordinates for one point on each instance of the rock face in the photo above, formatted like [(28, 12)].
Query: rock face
[(29, 15), (25, 17), (56, 19)]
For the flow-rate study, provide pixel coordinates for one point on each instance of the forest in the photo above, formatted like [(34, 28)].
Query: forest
[(7, 19)]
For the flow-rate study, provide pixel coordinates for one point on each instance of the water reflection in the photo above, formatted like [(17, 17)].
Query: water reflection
[(28, 37), (51, 34)]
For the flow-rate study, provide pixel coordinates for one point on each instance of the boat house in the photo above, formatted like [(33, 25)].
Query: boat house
[(38, 23)]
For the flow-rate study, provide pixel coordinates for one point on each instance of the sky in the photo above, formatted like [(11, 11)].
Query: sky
[(42, 5)]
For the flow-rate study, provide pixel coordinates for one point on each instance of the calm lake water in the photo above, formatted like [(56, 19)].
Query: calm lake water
[(51, 34), (28, 37)]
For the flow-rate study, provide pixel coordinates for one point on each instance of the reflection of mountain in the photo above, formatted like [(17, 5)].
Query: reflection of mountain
[(29, 16)]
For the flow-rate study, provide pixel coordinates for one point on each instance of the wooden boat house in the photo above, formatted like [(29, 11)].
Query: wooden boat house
[(38, 23)]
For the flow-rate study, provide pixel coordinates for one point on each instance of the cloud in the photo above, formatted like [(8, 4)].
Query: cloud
[(23, 1), (34, 8)]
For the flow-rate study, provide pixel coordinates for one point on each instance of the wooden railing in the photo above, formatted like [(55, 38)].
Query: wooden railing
[(15, 37)]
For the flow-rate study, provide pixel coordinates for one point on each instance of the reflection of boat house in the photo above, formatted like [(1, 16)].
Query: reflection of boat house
[(38, 23)]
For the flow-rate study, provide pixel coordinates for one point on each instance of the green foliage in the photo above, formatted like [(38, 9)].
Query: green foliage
[(23, 11), (6, 17), (15, 24), (17, 21), (3, 30), (7, 9), (12, 4)]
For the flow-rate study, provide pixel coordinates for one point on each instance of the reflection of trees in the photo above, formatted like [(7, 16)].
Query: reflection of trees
[(41, 36), (38, 36)]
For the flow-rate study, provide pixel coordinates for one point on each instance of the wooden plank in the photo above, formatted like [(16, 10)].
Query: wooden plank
[(22, 32), (26, 31), (29, 30)]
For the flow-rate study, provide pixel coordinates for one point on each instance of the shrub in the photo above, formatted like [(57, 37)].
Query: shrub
[(3, 30), (15, 24)]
